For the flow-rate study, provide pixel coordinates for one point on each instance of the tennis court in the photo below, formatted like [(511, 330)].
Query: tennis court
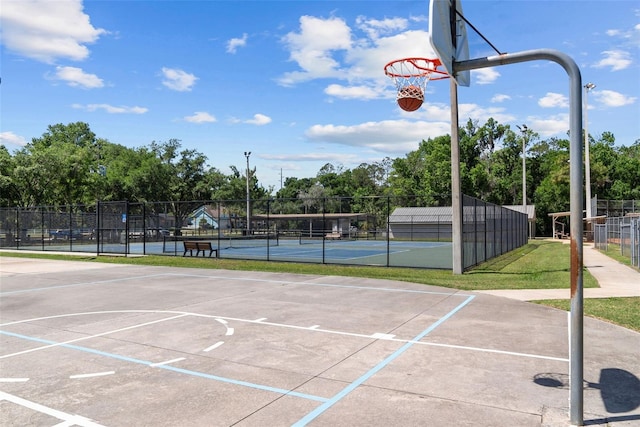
[(91, 344), (382, 252)]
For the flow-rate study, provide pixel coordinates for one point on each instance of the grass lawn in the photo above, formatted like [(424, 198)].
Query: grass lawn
[(537, 265), (621, 311)]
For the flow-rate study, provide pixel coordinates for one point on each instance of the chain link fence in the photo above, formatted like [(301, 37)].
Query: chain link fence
[(620, 232), (380, 231)]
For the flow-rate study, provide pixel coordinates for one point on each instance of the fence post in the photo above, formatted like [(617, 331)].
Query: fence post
[(70, 227), (98, 227), (126, 228), (42, 226), (388, 230), (324, 224)]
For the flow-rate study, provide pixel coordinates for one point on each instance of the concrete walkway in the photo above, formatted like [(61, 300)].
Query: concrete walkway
[(615, 280)]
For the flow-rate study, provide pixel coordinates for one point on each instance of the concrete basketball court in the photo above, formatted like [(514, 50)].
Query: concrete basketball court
[(90, 344)]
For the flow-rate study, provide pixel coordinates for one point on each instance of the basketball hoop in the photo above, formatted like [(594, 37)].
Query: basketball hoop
[(411, 76)]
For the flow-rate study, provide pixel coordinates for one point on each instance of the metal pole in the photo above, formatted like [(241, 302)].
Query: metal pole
[(587, 160), (576, 410), (524, 168), (456, 199), (247, 154)]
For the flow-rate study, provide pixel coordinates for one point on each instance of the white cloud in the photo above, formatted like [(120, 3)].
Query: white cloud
[(485, 76), (499, 97), (612, 98), (111, 109), (482, 114), (259, 120), (549, 126), (375, 27), (47, 30), (352, 92), (200, 117), (235, 43), (552, 100), (311, 157), (312, 46), (330, 48), (76, 77), (628, 36), (178, 80), (616, 59), (389, 136), (10, 138)]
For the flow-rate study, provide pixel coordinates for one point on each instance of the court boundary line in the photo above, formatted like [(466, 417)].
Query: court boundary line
[(371, 372)]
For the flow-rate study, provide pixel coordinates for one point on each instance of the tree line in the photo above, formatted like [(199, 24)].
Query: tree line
[(69, 165)]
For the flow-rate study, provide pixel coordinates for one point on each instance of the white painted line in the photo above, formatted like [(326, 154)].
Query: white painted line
[(13, 380), (262, 319), (229, 331), (224, 322), (92, 336), (74, 420), (95, 374), (314, 327), (381, 336), (213, 347), (168, 362)]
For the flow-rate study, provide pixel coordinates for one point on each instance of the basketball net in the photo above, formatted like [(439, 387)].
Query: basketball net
[(411, 75)]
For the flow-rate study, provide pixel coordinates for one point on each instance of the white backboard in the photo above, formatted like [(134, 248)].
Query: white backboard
[(442, 39)]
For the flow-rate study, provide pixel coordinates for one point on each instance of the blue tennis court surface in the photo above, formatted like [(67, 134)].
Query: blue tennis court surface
[(401, 253)]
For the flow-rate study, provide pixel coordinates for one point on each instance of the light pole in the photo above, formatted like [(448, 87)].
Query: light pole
[(247, 154), (587, 160), (524, 130)]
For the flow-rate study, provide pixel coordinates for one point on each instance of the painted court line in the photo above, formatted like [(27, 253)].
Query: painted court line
[(262, 321), (99, 282), (213, 347), (14, 380), (173, 368), (87, 337), (328, 285), (344, 392), (167, 362), (382, 336), (69, 419), (95, 374)]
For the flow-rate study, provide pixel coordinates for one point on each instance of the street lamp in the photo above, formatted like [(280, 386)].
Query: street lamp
[(587, 160), (524, 130), (247, 154)]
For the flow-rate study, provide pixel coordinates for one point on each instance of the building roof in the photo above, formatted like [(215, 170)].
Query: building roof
[(530, 210), (444, 213)]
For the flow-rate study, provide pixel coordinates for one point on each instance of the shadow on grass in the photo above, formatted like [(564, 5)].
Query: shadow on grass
[(497, 264)]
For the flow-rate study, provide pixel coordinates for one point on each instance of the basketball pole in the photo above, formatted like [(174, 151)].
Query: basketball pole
[(456, 199), (576, 176)]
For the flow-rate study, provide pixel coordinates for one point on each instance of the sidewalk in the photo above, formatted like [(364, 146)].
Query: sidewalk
[(615, 280)]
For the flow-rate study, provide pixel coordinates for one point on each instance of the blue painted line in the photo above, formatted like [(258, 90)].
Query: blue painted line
[(344, 392), (171, 368), (100, 282)]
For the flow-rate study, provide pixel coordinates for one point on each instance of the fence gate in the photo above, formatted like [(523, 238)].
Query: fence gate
[(600, 237), (112, 232)]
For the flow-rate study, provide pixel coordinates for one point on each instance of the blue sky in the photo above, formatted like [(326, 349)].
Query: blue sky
[(300, 83)]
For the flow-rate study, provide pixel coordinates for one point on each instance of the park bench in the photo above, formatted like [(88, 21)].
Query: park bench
[(333, 236), (190, 246)]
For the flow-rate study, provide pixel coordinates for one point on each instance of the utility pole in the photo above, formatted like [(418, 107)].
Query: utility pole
[(587, 160), (524, 129), (247, 154)]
